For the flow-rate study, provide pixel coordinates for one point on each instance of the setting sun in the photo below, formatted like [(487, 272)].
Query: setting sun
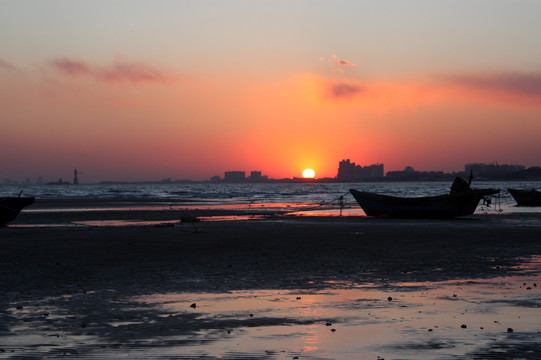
[(308, 173)]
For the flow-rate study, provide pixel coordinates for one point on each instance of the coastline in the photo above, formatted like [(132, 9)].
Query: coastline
[(470, 246), (89, 276)]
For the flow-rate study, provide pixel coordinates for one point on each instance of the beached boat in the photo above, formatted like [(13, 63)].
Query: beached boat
[(461, 201), (10, 207), (526, 197)]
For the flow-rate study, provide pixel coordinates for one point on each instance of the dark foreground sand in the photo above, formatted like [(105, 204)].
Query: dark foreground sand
[(90, 272)]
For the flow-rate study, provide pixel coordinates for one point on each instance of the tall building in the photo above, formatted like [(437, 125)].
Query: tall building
[(348, 171), (234, 176)]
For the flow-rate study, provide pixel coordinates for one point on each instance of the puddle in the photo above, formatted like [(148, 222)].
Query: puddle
[(100, 223), (155, 223), (231, 218), (330, 212)]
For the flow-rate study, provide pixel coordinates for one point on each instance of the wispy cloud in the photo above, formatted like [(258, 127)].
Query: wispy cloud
[(380, 95), (342, 90), (118, 72), (520, 84), (72, 67), (342, 62), (134, 72), (336, 64), (6, 66)]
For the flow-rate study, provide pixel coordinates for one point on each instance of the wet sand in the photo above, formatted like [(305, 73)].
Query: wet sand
[(271, 288)]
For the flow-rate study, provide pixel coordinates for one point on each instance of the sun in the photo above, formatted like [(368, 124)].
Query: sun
[(308, 173)]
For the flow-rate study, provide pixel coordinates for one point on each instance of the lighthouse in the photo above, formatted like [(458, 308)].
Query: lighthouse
[(75, 178)]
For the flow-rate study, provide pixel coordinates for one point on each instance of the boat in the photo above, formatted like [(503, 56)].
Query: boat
[(461, 201), (10, 207), (526, 197), (59, 182)]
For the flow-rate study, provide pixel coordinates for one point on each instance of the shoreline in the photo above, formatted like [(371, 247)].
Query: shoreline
[(469, 246), (78, 290), (51, 212)]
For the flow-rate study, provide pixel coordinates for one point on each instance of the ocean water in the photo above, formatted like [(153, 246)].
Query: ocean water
[(308, 194)]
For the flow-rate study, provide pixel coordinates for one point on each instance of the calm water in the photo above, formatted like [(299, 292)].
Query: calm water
[(280, 192), (294, 193)]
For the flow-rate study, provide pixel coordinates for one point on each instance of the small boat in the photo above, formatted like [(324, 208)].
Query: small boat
[(59, 182), (526, 197), (461, 201), (10, 207)]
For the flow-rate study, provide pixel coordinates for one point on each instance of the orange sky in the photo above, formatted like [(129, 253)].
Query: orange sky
[(235, 95)]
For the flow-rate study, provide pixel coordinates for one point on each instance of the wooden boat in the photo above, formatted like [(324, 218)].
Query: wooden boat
[(459, 202), (10, 207), (526, 197)]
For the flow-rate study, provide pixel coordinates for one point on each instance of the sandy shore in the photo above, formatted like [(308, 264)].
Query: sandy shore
[(66, 286)]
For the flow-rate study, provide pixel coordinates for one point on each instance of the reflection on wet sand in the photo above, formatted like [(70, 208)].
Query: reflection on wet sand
[(161, 212), (436, 320), (407, 320), (325, 288)]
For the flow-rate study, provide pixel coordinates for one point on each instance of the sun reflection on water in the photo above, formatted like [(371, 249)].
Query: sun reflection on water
[(463, 318), (406, 319)]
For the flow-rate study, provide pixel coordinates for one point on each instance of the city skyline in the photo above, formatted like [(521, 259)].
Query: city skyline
[(347, 171), (137, 90)]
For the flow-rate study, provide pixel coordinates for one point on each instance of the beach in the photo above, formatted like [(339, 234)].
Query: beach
[(227, 284)]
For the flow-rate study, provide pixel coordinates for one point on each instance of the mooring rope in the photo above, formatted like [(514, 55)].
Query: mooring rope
[(340, 200)]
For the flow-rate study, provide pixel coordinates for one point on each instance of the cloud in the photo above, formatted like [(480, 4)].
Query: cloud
[(343, 90), (118, 72), (336, 64), (5, 65), (520, 84), (342, 62), (72, 67), (384, 94), (133, 72)]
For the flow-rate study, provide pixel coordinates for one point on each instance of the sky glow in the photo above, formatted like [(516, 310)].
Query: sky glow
[(144, 90)]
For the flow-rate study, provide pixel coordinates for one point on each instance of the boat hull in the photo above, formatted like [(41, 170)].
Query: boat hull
[(526, 197), (442, 206), (11, 207)]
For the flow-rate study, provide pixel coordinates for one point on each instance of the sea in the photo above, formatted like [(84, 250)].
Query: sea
[(305, 196)]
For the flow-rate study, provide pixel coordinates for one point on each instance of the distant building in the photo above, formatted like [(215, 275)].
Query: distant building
[(234, 176), (346, 170), (349, 171), (492, 171), (256, 176), (369, 172), (410, 174), (215, 179), (9, 182)]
